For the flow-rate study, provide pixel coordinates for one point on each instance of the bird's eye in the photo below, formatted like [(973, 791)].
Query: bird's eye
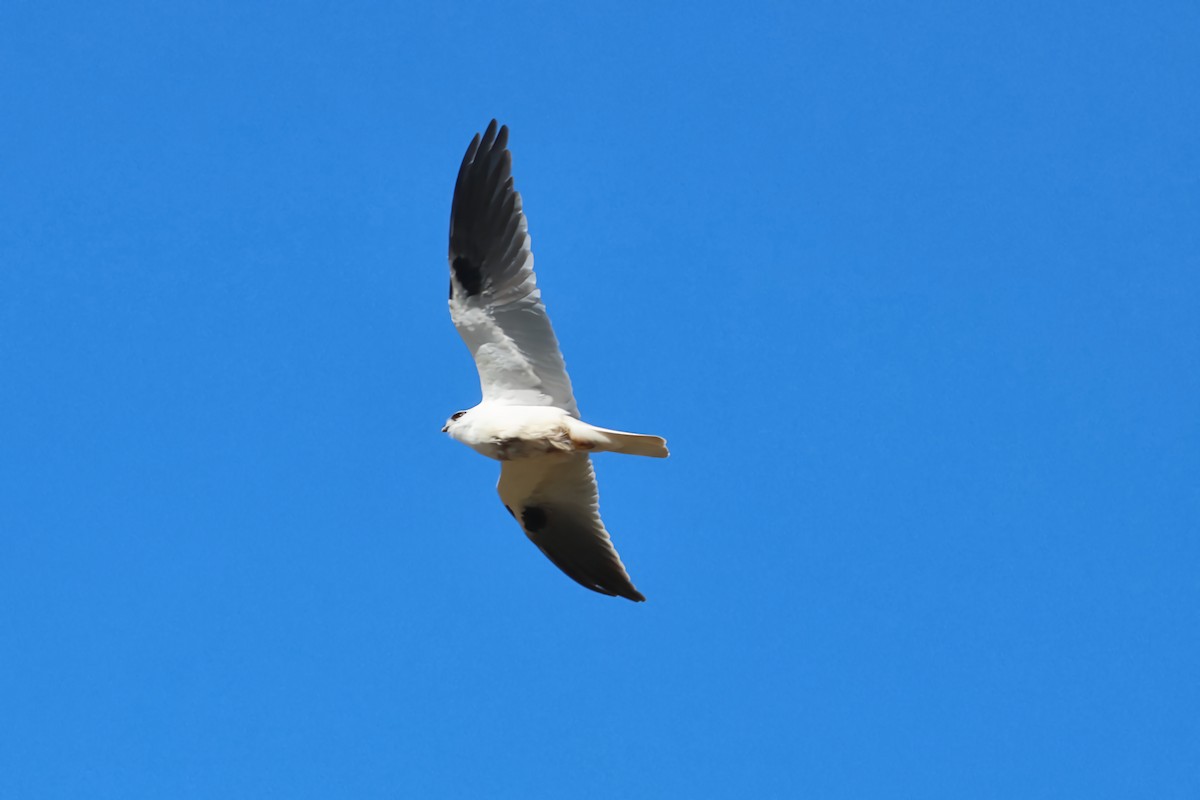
[(457, 414)]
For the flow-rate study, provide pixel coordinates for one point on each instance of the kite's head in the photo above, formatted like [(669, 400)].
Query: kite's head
[(454, 418)]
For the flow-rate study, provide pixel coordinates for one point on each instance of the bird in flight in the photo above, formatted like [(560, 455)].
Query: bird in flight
[(527, 419)]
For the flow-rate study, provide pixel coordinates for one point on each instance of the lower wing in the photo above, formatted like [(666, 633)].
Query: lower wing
[(556, 502)]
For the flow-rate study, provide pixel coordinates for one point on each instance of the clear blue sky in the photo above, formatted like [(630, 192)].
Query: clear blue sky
[(912, 289)]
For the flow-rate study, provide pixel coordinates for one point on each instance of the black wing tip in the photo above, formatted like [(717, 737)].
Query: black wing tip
[(484, 175), (481, 143), (495, 137), (627, 592), (606, 577)]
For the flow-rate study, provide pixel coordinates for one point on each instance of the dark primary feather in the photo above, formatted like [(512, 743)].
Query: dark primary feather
[(485, 215), (573, 549)]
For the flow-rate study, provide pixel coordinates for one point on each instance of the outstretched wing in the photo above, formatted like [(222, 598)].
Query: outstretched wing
[(494, 299), (556, 502)]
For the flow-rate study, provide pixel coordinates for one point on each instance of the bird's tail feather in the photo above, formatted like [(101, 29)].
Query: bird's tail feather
[(634, 444)]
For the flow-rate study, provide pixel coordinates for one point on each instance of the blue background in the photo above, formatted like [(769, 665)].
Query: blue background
[(912, 289)]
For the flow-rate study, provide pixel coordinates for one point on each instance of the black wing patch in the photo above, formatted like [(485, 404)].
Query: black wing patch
[(468, 276), (533, 518)]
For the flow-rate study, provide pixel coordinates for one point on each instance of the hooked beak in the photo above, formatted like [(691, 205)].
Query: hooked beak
[(445, 428)]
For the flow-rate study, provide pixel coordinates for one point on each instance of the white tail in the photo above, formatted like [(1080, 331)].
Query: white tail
[(589, 437)]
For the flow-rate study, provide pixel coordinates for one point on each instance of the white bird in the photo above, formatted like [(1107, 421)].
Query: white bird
[(527, 419)]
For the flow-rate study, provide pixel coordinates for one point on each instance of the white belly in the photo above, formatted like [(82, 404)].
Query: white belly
[(511, 432)]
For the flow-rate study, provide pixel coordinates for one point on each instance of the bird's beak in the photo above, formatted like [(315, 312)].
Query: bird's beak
[(445, 428)]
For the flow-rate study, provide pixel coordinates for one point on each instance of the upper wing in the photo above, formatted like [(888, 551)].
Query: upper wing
[(556, 501), (494, 299)]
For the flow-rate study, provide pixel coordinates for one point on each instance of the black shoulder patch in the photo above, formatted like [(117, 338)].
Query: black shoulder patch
[(468, 275), (533, 518)]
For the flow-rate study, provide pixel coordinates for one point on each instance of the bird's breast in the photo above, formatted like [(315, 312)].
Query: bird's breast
[(516, 432)]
